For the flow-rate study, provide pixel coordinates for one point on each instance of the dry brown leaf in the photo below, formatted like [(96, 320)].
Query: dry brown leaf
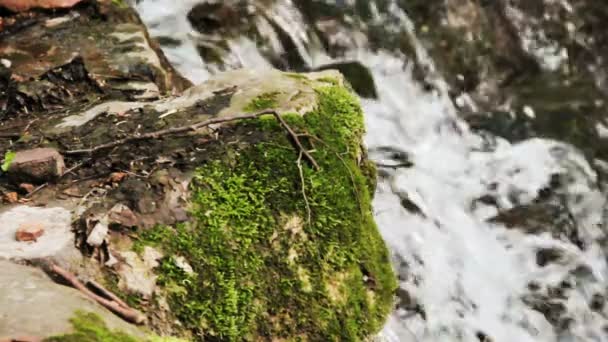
[(117, 177), (11, 197)]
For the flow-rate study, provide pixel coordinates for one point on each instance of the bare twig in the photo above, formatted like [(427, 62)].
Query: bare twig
[(29, 125), (35, 191), (197, 126), (12, 135), (295, 138), (171, 131), (74, 168), (125, 312), (308, 212), (106, 293)]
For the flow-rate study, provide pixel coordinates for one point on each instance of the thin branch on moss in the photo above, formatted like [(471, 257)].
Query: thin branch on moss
[(197, 126), (170, 131), (308, 211), (119, 308), (350, 173), (296, 139)]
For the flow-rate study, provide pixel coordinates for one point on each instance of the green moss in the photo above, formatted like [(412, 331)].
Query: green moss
[(264, 101), (9, 156), (296, 76), (262, 269), (120, 3), (89, 327), (370, 171), (329, 80)]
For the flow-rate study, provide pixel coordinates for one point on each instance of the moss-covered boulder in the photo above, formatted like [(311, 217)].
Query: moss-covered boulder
[(277, 248)]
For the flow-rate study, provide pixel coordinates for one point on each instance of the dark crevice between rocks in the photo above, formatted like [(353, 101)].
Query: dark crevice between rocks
[(358, 75), (547, 256), (548, 213)]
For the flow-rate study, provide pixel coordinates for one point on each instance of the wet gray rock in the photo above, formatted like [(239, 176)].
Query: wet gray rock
[(57, 239), (31, 304), (358, 75)]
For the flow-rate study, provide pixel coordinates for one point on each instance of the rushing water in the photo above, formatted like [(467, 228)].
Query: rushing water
[(462, 277)]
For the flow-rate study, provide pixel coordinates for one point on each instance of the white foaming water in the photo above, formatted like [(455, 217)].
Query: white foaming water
[(467, 274), (168, 18)]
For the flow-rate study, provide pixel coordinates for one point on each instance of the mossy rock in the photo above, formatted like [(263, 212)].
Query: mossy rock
[(280, 250), (89, 327)]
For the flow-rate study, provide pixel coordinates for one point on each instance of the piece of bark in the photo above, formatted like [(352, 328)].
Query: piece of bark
[(11, 197), (106, 293)]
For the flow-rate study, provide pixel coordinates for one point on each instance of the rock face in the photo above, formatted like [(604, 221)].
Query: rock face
[(33, 305), (83, 54), (255, 229)]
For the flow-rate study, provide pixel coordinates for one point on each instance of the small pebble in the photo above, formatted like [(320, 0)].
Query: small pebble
[(29, 232), (6, 63)]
